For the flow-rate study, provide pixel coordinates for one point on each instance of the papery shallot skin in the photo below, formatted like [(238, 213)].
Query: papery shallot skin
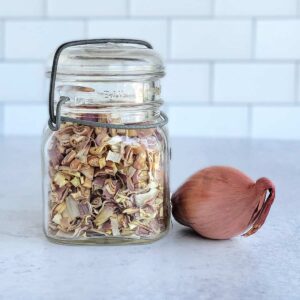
[(222, 202)]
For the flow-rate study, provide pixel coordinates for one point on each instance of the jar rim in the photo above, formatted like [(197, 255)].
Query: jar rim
[(108, 60)]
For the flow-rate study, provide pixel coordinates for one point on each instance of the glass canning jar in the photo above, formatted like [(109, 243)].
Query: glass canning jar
[(105, 150)]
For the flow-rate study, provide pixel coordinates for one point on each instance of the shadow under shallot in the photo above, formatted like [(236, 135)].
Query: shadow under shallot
[(187, 234)]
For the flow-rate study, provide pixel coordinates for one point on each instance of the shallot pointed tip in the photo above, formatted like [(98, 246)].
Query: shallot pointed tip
[(265, 184)]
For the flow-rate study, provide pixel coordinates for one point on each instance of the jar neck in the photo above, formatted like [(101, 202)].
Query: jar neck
[(110, 91), (122, 114), (120, 102)]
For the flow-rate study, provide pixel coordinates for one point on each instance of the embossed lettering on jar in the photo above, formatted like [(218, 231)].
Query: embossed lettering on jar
[(106, 153)]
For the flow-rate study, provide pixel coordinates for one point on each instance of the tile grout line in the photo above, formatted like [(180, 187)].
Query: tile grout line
[(128, 9), (253, 38), (169, 39), (2, 29), (213, 8), (249, 122), (184, 61), (231, 104), (150, 18), (85, 28), (3, 40), (25, 61), (2, 119), (211, 99), (27, 102), (296, 82), (45, 9), (234, 61)]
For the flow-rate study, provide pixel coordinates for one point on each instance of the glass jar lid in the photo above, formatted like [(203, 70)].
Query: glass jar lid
[(101, 74), (116, 57)]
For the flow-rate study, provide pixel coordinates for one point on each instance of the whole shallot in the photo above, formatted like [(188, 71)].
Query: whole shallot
[(222, 202)]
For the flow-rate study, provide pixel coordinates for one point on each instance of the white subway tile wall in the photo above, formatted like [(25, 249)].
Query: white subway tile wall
[(278, 40), (154, 31), (232, 65), (276, 122), (171, 8), (19, 8), (208, 121), (252, 8), (211, 39), (24, 119), (186, 83), (86, 8), (254, 83), (34, 40), (31, 77)]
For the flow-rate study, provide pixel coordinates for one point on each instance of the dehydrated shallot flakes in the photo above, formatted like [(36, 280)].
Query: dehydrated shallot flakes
[(106, 182)]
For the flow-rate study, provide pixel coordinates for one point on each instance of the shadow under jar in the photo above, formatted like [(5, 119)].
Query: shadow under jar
[(105, 152)]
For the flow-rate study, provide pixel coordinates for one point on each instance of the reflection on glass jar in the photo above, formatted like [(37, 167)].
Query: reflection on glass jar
[(106, 166)]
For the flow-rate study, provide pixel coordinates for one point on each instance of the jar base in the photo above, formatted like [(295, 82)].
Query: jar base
[(106, 241)]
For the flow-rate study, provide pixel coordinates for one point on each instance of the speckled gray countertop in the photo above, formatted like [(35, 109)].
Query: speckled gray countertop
[(181, 265)]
